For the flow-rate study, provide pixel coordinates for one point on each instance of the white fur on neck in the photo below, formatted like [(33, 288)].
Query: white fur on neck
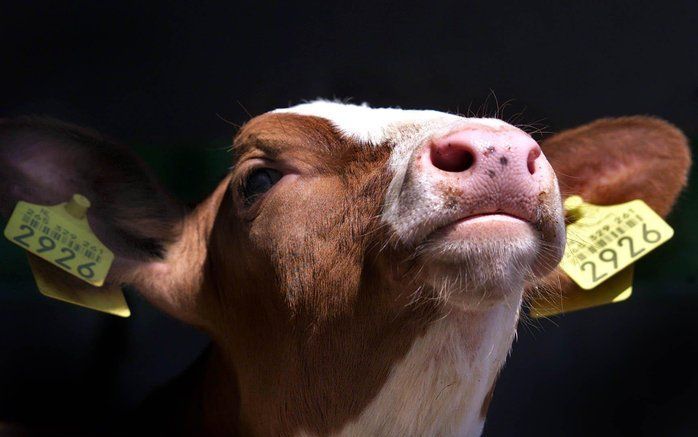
[(439, 387)]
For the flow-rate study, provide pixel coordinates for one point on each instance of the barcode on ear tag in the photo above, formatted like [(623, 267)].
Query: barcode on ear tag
[(606, 239), (61, 235)]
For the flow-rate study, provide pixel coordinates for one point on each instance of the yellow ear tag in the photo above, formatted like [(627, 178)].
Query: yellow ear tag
[(109, 299), (602, 244), (618, 288), (61, 235), (604, 240)]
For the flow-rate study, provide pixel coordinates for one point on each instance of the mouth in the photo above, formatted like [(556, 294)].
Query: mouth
[(488, 223), (490, 216)]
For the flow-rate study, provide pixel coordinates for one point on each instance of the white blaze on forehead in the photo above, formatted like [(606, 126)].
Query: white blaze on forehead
[(376, 125)]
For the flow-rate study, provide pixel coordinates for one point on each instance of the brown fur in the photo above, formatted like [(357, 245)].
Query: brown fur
[(304, 317), (641, 158), (307, 304)]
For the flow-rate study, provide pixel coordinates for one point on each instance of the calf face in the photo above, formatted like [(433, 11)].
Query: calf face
[(424, 205), (360, 270)]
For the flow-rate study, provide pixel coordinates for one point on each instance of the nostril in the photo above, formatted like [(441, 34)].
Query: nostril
[(451, 158), (532, 157)]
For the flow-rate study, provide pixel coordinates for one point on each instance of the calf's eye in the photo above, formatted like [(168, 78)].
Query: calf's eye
[(257, 183)]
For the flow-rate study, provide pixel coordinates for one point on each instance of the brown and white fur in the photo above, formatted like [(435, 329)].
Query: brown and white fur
[(374, 289)]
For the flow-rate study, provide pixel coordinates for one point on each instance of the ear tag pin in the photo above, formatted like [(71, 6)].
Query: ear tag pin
[(602, 244), (61, 236)]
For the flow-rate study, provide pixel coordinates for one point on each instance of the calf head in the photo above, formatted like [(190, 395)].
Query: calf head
[(360, 270), (419, 206)]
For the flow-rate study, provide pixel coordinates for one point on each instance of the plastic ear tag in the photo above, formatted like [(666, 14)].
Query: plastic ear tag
[(61, 235), (616, 289), (109, 299), (603, 240)]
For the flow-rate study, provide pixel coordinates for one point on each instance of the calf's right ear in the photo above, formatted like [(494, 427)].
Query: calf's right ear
[(45, 162), (617, 160)]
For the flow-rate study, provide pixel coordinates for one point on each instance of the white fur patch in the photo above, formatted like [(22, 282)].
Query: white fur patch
[(439, 387), (376, 125)]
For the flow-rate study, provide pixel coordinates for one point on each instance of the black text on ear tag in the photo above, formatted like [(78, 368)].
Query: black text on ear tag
[(61, 235), (603, 243)]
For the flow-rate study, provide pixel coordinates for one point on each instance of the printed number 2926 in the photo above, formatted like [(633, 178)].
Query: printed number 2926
[(47, 244), (611, 256)]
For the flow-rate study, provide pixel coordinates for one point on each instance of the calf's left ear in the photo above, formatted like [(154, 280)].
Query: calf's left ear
[(616, 160)]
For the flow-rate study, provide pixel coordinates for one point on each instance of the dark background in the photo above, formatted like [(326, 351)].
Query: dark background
[(163, 77)]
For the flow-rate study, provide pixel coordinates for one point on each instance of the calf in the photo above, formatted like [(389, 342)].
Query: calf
[(360, 271)]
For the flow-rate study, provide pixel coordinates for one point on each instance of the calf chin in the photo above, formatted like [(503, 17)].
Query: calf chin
[(478, 273)]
